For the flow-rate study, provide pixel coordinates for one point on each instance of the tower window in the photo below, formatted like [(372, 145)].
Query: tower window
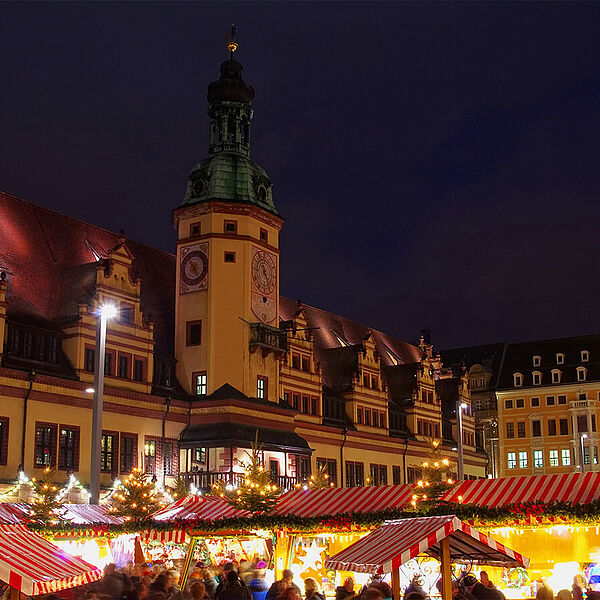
[(261, 387), (195, 229), (229, 257), (230, 226), (200, 383), (264, 235), (193, 333)]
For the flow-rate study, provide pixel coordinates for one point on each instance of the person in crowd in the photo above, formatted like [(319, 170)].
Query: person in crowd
[(112, 583), (479, 591), (311, 589), (564, 595), (159, 588), (198, 591), (577, 588), (382, 586), (234, 589), (544, 592), (345, 591), (286, 581), (227, 568), (371, 593), (485, 580), (414, 587), (288, 592), (258, 586), (139, 591), (210, 583)]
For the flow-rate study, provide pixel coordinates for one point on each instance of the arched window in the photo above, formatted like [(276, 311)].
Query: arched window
[(518, 379)]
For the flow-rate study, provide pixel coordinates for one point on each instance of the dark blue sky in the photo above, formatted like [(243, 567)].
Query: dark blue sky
[(437, 164)]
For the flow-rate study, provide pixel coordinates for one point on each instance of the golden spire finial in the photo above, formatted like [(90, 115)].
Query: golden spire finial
[(232, 45)]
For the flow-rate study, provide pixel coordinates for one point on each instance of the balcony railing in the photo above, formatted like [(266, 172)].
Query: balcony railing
[(204, 480), (268, 338)]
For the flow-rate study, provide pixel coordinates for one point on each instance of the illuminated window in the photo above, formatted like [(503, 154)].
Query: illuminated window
[(586, 455), (585, 356), (261, 387), (108, 453), (512, 460), (45, 445), (200, 384), (150, 456), (537, 361), (554, 458), (560, 359), (523, 459), (565, 454), (538, 458), (595, 455)]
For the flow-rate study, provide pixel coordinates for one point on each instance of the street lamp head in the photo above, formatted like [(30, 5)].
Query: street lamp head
[(109, 311), (89, 390), (463, 405), (584, 436)]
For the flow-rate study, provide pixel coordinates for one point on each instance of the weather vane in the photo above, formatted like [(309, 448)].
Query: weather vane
[(232, 45)]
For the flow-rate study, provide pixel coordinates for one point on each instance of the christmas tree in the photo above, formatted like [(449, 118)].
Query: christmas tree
[(45, 507), (179, 488), (255, 492), (320, 479), (435, 478), (137, 497)]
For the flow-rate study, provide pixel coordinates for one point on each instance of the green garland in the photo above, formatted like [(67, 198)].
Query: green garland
[(512, 514)]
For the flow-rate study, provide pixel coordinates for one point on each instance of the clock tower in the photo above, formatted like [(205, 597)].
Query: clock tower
[(227, 288)]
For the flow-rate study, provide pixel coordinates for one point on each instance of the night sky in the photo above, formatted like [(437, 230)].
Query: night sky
[(437, 164)]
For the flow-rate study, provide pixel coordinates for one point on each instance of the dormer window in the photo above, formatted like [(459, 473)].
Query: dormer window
[(537, 361), (556, 376), (581, 373), (518, 379), (536, 377), (585, 356), (560, 359)]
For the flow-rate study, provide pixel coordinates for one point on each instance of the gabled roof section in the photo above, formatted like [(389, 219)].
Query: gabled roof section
[(51, 260), (487, 355), (330, 331)]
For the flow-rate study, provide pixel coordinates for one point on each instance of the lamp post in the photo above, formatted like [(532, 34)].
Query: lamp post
[(581, 442), (459, 426), (106, 312)]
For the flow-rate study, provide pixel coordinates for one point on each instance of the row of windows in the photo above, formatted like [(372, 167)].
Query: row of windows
[(32, 344), (535, 402), (520, 460), (370, 381), (308, 405), (556, 376), (428, 428), (123, 363), (584, 355), (229, 226), (536, 427), (428, 396), (301, 362), (370, 416)]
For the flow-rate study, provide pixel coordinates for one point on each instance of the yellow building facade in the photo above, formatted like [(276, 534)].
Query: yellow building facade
[(205, 356)]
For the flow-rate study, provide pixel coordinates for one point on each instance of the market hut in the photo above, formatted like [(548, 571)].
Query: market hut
[(32, 565), (446, 538)]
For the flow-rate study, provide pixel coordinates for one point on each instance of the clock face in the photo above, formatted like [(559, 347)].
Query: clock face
[(263, 272), (194, 267)]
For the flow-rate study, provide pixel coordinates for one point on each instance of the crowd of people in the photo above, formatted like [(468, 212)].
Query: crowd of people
[(233, 581)]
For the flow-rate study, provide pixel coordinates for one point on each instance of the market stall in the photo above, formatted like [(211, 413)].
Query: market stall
[(446, 538), (32, 565)]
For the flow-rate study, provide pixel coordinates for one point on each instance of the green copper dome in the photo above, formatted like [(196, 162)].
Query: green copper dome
[(230, 177), (228, 174)]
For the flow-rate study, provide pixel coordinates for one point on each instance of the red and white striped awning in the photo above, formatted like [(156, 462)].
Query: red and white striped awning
[(334, 501), (34, 566), (12, 513), (577, 488), (193, 507), (396, 542), (87, 514)]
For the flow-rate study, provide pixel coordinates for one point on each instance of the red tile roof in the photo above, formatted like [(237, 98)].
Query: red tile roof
[(51, 261)]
